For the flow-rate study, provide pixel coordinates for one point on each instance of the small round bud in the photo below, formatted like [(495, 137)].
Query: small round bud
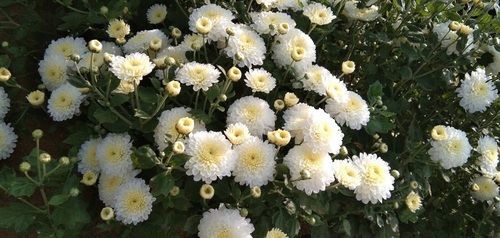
[(107, 213), (5, 44), (465, 30), (37, 134), (414, 184), (222, 97), (475, 187), (108, 57), (178, 147), (344, 151), (174, 191), (454, 26), (384, 108), (395, 205), (73, 192), (291, 99), (120, 41), (64, 161), (125, 10), (5, 74), (298, 53), (234, 74), (207, 191), (290, 207), (395, 173), (173, 88), (36, 98), (24, 167), (243, 212), (305, 174), (311, 220), (270, 136), (44, 158), (383, 148), (283, 28), (203, 25), (160, 63), (84, 90), (170, 61), (239, 56), (380, 103), (281, 137), (279, 104), (348, 67), (41, 86), (104, 10), (185, 125), (89, 178), (155, 44), (230, 31), (255, 192), (75, 57), (439, 133), (376, 136), (176, 32), (95, 46)]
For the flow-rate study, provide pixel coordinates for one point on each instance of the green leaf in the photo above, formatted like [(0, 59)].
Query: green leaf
[(78, 82), (379, 124), (162, 183), (72, 214), (118, 99), (17, 216), (286, 223), (4, 61), (374, 91), (346, 226), (58, 199), (143, 157), (20, 187), (191, 225), (104, 116)]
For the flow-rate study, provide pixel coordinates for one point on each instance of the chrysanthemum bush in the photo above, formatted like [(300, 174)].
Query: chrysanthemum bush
[(264, 119)]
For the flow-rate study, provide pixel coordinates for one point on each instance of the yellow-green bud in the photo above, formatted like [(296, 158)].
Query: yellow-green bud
[(234, 74), (305, 174), (5, 74), (44, 158), (64, 161), (255, 192), (75, 57), (37, 134), (395, 173), (5, 44), (383, 148), (414, 184), (243, 212), (348, 67), (95, 46), (24, 167), (344, 151), (104, 10), (73, 192), (107, 214), (207, 191), (174, 191), (279, 104), (176, 32)]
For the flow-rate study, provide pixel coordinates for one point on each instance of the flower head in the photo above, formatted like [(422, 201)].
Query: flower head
[(223, 222), (200, 76), (165, 132), (219, 18), (156, 13), (376, 179), (254, 162), (237, 133), (53, 70), (488, 189), (413, 201), (113, 153), (110, 181), (133, 202), (477, 91), (64, 102), (322, 133), (353, 112), (488, 148), (276, 233), (4, 103), (254, 112), (118, 29), (347, 173), (287, 43), (246, 43), (319, 14), (259, 80), (66, 46), (453, 151), (8, 140), (87, 156)]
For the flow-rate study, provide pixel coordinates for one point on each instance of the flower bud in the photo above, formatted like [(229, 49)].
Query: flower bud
[(281, 137), (170, 61), (283, 28), (239, 56), (155, 44), (160, 63), (37, 134), (291, 208), (344, 151), (24, 167), (64, 161), (95, 46), (207, 191), (298, 53), (75, 57), (234, 74), (44, 158), (5, 44), (230, 31), (174, 191), (36, 98), (178, 147), (5, 74), (414, 184), (279, 104), (395, 173), (222, 97), (176, 32), (89, 178), (185, 125), (203, 25), (395, 205), (439, 133), (291, 99), (104, 10), (383, 148), (173, 88), (108, 57), (73, 192), (475, 187), (376, 136), (107, 214), (120, 41), (465, 30), (305, 174), (454, 26), (255, 192), (311, 220), (348, 67), (243, 212)]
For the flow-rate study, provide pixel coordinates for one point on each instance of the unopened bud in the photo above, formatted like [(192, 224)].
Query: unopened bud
[(305, 174), (475, 187), (185, 125), (234, 74), (170, 61), (283, 28), (176, 32), (89, 178), (279, 104), (239, 56), (95, 46), (24, 167), (5, 44), (243, 212), (414, 184), (174, 191), (203, 25), (5, 74), (291, 99), (344, 151), (348, 67), (255, 192), (298, 53), (465, 30), (44, 158), (64, 161), (173, 88), (74, 57), (383, 148), (104, 10), (108, 57), (207, 191), (73, 192), (454, 26), (37, 134), (230, 31), (155, 44), (107, 214), (178, 147), (395, 173)]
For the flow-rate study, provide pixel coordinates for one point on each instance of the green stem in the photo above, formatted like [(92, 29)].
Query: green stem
[(196, 99), (23, 201), (71, 8), (158, 108)]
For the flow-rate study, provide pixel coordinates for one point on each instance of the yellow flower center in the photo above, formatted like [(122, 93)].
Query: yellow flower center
[(454, 146), (113, 154), (134, 202), (63, 101), (480, 89), (321, 131), (211, 153), (223, 233), (251, 113), (374, 174), (252, 159)]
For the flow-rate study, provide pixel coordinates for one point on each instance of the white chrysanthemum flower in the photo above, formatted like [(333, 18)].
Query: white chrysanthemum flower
[(113, 153), (354, 113), (176, 52), (449, 39), (295, 5), (110, 181), (254, 112), (276, 233), (319, 164), (87, 159), (66, 46), (140, 42), (452, 151), (98, 59), (133, 202), (64, 102), (53, 70), (237, 133), (494, 67), (254, 162), (287, 43), (8, 140), (376, 179), (200, 76), (192, 42), (165, 131), (221, 19), (131, 67), (319, 14), (268, 22), (321, 81), (4, 103), (259, 80), (118, 29), (295, 120), (322, 133), (337, 90), (210, 156), (246, 43), (488, 189), (488, 148), (364, 14), (224, 222), (347, 173), (156, 13), (413, 201), (477, 91), (266, 3)]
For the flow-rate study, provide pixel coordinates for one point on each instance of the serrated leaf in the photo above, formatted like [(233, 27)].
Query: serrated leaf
[(72, 214), (17, 216), (162, 183), (58, 199), (118, 99), (104, 116), (379, 124), (374, 91)]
